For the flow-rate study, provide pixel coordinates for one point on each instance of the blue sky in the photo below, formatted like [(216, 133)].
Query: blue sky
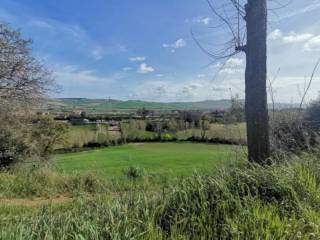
[(143, 49)]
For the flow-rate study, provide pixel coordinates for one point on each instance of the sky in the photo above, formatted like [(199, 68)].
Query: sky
[(149, 49)]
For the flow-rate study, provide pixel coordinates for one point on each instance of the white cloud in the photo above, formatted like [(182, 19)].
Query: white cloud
[(216, 65), (206, 20), (127, 69), (97, 53), (79, 82), (291, 38), (137, 59), (144, 69), (231, 66), (202, 19), (193, 88), (234, 62), (310, 41), (296, 38), (74, 75), (190, 89), (180, 43), (274, 35), (313, 44), (289, 89), (232, 70)]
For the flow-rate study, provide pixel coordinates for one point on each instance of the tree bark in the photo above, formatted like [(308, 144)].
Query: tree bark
[(256, 82)]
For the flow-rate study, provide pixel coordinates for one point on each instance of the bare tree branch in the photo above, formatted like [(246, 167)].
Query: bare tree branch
[(22, 77), (309, 84)]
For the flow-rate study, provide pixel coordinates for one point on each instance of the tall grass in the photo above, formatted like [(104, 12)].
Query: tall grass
[(46, 183), (88, 135), (247, 201)]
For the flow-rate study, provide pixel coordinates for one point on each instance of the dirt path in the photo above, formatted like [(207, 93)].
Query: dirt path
[(57, 200), (30, 202)]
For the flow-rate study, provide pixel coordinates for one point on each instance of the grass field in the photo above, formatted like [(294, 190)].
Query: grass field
[(234, 132), (79, 136), (245, 201), (167, 159)]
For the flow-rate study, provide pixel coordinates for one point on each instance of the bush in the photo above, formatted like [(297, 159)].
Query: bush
[(46, 133), (14, 139), (167, 137), (293, 136), (312, 115), (247, 202), (133, 172), (24, 139), (13, 146)]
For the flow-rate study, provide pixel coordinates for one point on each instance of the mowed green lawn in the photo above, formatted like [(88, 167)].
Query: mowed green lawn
[(167, 159)]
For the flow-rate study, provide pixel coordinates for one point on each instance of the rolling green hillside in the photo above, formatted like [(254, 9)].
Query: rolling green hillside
[(104, 105)]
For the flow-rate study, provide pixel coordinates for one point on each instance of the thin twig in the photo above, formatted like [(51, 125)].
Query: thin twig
[(309, 84)]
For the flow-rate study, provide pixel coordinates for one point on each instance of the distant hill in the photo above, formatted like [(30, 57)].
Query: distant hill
[(103, 105), (93, 105)]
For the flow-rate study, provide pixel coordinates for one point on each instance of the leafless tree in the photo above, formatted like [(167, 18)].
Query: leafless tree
[(246, 22), (22, 77)]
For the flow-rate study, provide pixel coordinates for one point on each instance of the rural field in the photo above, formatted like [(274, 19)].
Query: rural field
[(166, 159), (159, 120), (79, 136)]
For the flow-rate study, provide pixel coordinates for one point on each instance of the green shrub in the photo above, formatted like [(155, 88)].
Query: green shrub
[(293, 136), (14, 139), (167, 137), (87, 183), (312, 115), (13, 146), (134, 173), (247, 202)]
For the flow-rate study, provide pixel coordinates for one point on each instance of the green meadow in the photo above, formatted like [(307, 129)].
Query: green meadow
[(167, 159)]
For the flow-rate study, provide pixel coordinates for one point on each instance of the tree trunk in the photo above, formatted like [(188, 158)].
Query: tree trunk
[(256, 82)]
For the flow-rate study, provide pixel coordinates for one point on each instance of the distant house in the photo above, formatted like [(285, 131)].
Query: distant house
[(77, 114), (79, 121), (218, 114), (77, 117), (113, 123)]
